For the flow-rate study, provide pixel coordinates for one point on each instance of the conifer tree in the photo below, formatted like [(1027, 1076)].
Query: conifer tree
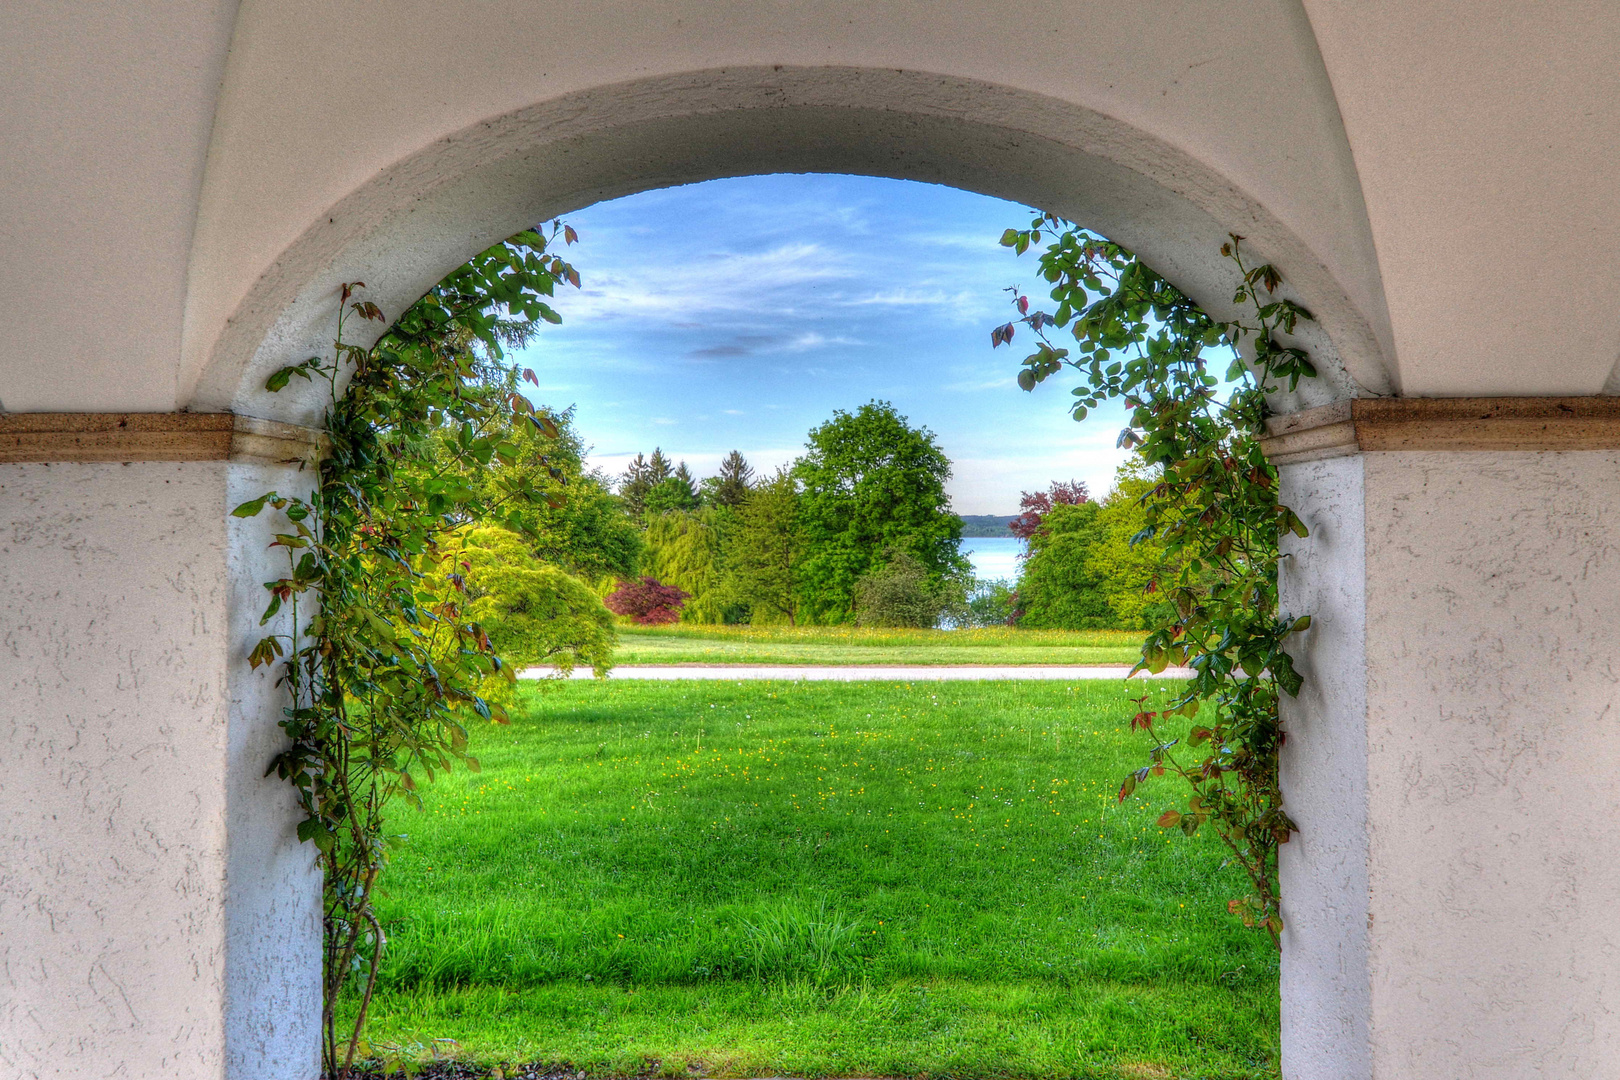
[(730, 488), (634, 485)]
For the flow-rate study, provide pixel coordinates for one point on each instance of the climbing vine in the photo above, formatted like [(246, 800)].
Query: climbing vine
[(382, 666), (1214, 507)]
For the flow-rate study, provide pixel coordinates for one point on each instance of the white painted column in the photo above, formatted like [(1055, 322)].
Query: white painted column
[(1452, 902), (158, 916)]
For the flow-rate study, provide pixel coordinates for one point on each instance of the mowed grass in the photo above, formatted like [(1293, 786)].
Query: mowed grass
[(684, 644), (819, 879)]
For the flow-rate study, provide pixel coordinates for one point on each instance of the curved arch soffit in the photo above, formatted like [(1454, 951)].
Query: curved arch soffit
[(413, 223)]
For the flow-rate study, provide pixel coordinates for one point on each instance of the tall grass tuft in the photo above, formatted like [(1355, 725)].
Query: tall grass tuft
[(790, 941)]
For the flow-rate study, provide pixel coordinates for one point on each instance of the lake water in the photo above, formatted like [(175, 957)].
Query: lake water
[(994, 558)]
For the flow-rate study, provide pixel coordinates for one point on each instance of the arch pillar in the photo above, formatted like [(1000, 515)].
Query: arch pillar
[(158, 916), (1452, 762)]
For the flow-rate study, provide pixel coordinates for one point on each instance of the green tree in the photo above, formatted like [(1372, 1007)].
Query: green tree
[(640, 477), (765, 551), (1061, 587), (684, 550), (730, 486), (533, 612), (633, 487), (871, 483), (576, 523), (1090, 564), (1128, 556), (675, 492)]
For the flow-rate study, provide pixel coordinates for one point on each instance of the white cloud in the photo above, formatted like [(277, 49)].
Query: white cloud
[(722, 283)]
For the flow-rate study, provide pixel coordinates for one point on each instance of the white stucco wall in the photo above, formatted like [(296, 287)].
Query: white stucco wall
[(1323, 868), (1451, 897), (273, 888), (149, 873)]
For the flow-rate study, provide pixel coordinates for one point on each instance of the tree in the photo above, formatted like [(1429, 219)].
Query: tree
[(1035, 505), (764, 551), (1127, 556), (634, 485), (870, 483), (899, 592), (647, 601), (684, 550), (576, 522), (1061, 588), (1090, 564), (534, 613), (991, 603), (730, 487)]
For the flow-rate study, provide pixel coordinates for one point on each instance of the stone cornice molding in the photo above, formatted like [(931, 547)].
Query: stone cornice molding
[(1371, 424), (82, 437)]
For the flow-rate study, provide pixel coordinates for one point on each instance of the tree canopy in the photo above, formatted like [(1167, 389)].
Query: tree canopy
[(869, 483)]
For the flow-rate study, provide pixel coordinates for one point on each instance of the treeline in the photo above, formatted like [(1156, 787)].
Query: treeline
[(857, 529)]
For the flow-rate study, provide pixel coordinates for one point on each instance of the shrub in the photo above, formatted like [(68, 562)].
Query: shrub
[(647, 601), (898, 593)]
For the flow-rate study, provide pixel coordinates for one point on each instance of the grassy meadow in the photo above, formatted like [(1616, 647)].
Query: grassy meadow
[(819, 879), (687, 644)]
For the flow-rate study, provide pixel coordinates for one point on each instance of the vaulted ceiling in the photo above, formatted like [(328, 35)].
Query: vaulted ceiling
[(180, 184)]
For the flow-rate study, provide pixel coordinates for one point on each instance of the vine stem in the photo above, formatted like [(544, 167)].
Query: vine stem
[(380, 941)]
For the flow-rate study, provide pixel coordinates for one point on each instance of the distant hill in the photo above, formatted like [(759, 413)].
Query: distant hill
[(985, 525)]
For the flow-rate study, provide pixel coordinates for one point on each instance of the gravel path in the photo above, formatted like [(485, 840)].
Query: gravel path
[(862, 673)]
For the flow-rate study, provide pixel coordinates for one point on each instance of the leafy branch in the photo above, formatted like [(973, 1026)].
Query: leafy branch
[(1141, 341)]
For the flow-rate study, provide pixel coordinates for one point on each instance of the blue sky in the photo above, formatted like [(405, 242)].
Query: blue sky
[(738, 314)]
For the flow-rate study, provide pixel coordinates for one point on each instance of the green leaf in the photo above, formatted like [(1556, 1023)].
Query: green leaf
[(252, 506)]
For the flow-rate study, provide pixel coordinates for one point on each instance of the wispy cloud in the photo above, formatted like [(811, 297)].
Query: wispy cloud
[(742, 312)]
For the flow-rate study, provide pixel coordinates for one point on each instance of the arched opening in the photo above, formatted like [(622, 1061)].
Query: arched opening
[(704, 851)]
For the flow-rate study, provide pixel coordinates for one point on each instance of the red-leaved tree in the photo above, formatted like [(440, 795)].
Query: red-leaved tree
[(647, 601), (1035, 505)]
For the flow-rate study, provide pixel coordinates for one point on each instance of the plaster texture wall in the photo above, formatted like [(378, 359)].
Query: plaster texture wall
[(103, 137), (154, 911), (1323, 869), (1451, 894)]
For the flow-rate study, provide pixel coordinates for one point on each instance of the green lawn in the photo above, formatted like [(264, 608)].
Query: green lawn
[(819, 879), (683, 644)]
